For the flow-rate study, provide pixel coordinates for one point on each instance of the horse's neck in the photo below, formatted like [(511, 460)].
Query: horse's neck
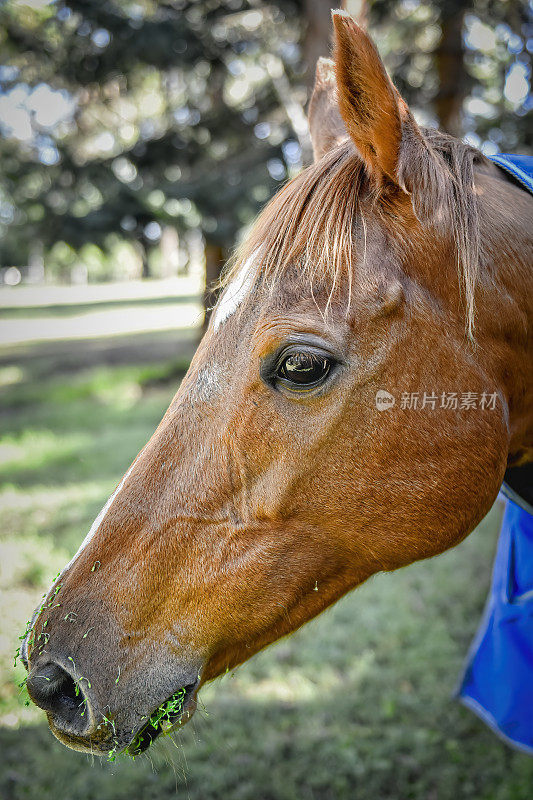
[(505, 300)]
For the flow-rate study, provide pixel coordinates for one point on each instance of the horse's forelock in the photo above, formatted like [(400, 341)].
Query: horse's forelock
[(311, 221)]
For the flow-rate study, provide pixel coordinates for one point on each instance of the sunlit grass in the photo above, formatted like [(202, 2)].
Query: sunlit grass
[(34, 449), (10, 375)]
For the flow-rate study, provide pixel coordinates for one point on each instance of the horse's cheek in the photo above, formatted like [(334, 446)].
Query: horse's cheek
[(447, 505)]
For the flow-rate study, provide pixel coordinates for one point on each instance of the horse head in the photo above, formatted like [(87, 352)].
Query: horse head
[(325, 430)]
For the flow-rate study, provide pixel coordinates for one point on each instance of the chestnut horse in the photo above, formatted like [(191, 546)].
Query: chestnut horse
[(326, 429)]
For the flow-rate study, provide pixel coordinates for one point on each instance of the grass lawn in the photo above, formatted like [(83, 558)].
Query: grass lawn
[(355, 705)]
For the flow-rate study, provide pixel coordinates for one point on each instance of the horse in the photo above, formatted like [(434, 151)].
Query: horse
[(326, 429)]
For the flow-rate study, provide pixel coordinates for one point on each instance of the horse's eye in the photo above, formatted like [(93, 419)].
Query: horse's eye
[(303, 369)]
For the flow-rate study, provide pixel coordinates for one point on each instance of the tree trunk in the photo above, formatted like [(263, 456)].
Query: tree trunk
[(140, 249), (317, 40), (214, 261), (449, 60), (143, 251)]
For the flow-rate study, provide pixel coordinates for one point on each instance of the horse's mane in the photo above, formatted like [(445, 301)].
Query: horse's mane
[(311, 221)]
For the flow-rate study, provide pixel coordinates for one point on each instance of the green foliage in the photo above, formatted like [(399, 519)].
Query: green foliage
[(159, 107), (477, 51), (123, 120)]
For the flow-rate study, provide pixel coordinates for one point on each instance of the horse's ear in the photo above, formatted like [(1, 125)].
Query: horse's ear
[(325, 121), (376, 117)]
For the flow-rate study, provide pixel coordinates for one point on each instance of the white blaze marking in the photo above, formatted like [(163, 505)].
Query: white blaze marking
[(96, 524), (235, 292), (94, 528)]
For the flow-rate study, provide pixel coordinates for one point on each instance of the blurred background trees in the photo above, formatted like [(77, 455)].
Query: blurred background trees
[(137, 135)]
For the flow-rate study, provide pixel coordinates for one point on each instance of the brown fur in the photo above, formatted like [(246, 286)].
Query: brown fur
[(324, 105), (312, 221), (252, 509)]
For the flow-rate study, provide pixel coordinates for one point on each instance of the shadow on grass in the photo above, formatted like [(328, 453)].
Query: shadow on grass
[(333, 747), (41, 360)]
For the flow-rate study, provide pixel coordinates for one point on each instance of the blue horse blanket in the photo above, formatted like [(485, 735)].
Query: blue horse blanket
[(497, 683), (498, 680)]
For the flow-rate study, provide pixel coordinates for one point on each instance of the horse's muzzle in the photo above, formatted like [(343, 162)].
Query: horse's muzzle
[(135, 715)]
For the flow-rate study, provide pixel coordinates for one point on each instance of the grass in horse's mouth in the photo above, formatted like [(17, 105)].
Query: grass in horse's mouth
[(162, 718)]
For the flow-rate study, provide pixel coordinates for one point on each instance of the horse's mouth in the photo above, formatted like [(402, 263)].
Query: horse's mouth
[(175, 711), (111, 740)]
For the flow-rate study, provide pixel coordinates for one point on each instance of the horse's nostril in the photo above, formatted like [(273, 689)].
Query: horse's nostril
[(55, 691)]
